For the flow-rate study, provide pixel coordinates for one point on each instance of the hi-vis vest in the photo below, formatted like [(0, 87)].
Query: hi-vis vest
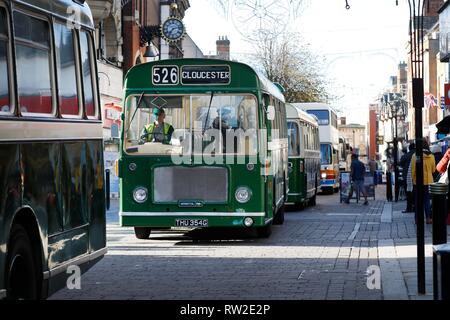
[(150, 128)]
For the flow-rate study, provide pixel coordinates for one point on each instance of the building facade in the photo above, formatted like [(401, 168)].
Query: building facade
[(355, 135)]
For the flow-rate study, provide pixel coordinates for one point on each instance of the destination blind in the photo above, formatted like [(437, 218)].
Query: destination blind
[(205, 75)]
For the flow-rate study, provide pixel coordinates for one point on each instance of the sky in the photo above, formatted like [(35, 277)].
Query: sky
[(361, 46)]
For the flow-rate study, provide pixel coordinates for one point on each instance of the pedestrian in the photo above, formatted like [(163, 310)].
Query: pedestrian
[(429, 167), (443, 168), (389, 171), (405, 163), (358, 170), (372, 166), (436, 150)]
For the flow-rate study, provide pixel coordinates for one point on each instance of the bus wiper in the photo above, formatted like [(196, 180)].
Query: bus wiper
[(137, 108), (207, 115)]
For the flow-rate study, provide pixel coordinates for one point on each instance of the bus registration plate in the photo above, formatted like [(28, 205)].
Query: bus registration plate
[(191, 223)]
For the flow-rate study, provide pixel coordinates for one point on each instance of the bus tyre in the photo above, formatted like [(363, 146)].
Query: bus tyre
[(279, 217), (142, 233), (264, 232), (22, 270)]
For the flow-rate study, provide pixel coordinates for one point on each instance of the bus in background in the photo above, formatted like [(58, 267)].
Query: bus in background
[(329, 144), (194, 174), (304, 157), (52, 191)]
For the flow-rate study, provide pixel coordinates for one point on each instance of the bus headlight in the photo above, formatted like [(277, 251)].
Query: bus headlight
[(324, 175), (243, 195), (140, 195)]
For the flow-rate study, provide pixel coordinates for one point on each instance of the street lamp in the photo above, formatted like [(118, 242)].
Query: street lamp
[(416, 33)]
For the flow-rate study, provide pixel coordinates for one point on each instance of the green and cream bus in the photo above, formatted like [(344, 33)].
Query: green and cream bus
[(304, 156), (52, 191), (223, 161)]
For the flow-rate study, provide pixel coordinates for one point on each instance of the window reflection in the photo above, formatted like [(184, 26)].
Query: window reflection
[(294, 144), (33, 67), (87, 74), (65, 67), (4, 79)]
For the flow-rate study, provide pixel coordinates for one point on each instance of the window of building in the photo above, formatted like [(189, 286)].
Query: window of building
[(34, 85), (66, 71)]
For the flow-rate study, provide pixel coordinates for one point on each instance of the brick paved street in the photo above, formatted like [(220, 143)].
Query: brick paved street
[(319, 253)]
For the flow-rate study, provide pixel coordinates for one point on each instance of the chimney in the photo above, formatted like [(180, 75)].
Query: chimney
[(223, 48)]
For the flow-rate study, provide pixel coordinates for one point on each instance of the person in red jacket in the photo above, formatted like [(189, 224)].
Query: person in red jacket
[(442, 168)]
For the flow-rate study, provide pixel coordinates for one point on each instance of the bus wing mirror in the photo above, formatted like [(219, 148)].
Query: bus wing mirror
[(270, 113)]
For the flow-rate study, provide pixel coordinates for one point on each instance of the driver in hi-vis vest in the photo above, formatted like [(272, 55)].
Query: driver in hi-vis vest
[(159, 131)]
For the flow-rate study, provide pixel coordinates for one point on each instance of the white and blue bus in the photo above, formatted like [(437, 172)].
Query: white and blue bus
[(329, 144)]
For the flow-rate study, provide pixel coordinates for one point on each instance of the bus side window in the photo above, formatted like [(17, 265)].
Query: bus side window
[(66, 71), (5, 101), (34, 84), (87, 61)]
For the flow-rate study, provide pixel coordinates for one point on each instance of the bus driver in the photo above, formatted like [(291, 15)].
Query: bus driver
[(159, 131)]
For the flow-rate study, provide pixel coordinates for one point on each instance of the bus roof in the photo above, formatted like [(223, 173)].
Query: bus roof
[(294, 112), (58, 8), (243, 78)]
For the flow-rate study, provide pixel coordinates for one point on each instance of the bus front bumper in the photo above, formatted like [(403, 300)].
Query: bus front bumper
[(172, 219), (326, 184)]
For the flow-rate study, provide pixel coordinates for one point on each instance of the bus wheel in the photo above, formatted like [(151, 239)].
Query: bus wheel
[(299, 206), (21, 276), (279, 217), (142, 233), (264, 232)]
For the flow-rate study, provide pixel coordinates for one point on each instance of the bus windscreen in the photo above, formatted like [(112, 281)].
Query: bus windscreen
[(192, 123), (325, 154), (322, 115)]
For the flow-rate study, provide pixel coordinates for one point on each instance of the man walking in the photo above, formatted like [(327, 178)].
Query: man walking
[(358, 170), (405, 163)]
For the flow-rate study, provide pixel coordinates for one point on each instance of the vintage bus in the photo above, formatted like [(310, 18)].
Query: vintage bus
[(223, 158), (329, 144), (52, 195), (304, 156)]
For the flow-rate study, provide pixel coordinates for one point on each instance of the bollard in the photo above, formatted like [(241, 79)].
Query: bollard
[(442, 254), (438, 193), (389, 186)]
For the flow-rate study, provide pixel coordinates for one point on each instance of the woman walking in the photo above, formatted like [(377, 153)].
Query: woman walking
[(429, 166)]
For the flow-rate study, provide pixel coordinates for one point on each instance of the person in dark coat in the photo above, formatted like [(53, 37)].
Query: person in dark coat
[(405, 162)]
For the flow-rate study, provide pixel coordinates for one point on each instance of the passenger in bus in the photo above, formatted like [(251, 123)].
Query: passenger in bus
[(159, 131), (222, 123)]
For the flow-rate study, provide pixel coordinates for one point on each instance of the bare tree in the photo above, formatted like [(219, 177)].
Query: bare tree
[(285, 60)]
